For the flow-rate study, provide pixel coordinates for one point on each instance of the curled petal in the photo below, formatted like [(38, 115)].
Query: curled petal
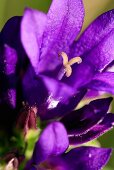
[(105, 125), (81, 121)]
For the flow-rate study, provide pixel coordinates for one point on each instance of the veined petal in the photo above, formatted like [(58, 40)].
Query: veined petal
[(105, 125), (94, 34), (53, 141), (93, 62), (83, 158), (102, 54), (65, 20), (80, 121), (103, 82), (32, 28)]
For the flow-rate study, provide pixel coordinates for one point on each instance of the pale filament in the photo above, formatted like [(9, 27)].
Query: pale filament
[(67, 64)]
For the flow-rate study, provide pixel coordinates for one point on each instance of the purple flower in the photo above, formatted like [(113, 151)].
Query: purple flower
[(61, 68), (49, 152), (61, 71), (13, 61), (59, 74), (83, 125), (89, 122)]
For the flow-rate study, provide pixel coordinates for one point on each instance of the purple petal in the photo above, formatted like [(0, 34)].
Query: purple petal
[(8, 75), (10, 32), (10, 35), (65, 20), (92, 94), (82, 158), (34, 90), (81, 121), (53, 141), (32, 28), (105, 125), (95, 33), (58, 91), (87, 158), (62, 108), (10, 60), (52, 97), (96, 60), (81, 75), (103, 82), (103, 54)]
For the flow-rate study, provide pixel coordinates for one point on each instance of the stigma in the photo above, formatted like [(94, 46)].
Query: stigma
[(67, 64)]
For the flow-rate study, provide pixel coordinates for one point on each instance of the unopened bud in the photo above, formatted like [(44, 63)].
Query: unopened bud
[(27, 119)]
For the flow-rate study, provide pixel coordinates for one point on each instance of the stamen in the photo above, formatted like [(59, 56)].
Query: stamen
[(68, 70), (67, 64), (74, 60), (65, 58)]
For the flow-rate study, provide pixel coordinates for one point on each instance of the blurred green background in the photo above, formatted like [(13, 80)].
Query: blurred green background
[(93, 8)]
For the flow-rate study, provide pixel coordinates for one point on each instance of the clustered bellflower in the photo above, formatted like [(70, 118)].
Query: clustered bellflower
[(44, 65)]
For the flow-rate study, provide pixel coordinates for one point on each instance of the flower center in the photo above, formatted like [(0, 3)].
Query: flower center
[(67, 64)]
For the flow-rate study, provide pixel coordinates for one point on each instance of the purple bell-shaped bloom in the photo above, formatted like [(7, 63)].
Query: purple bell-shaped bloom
[(61, 68)]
